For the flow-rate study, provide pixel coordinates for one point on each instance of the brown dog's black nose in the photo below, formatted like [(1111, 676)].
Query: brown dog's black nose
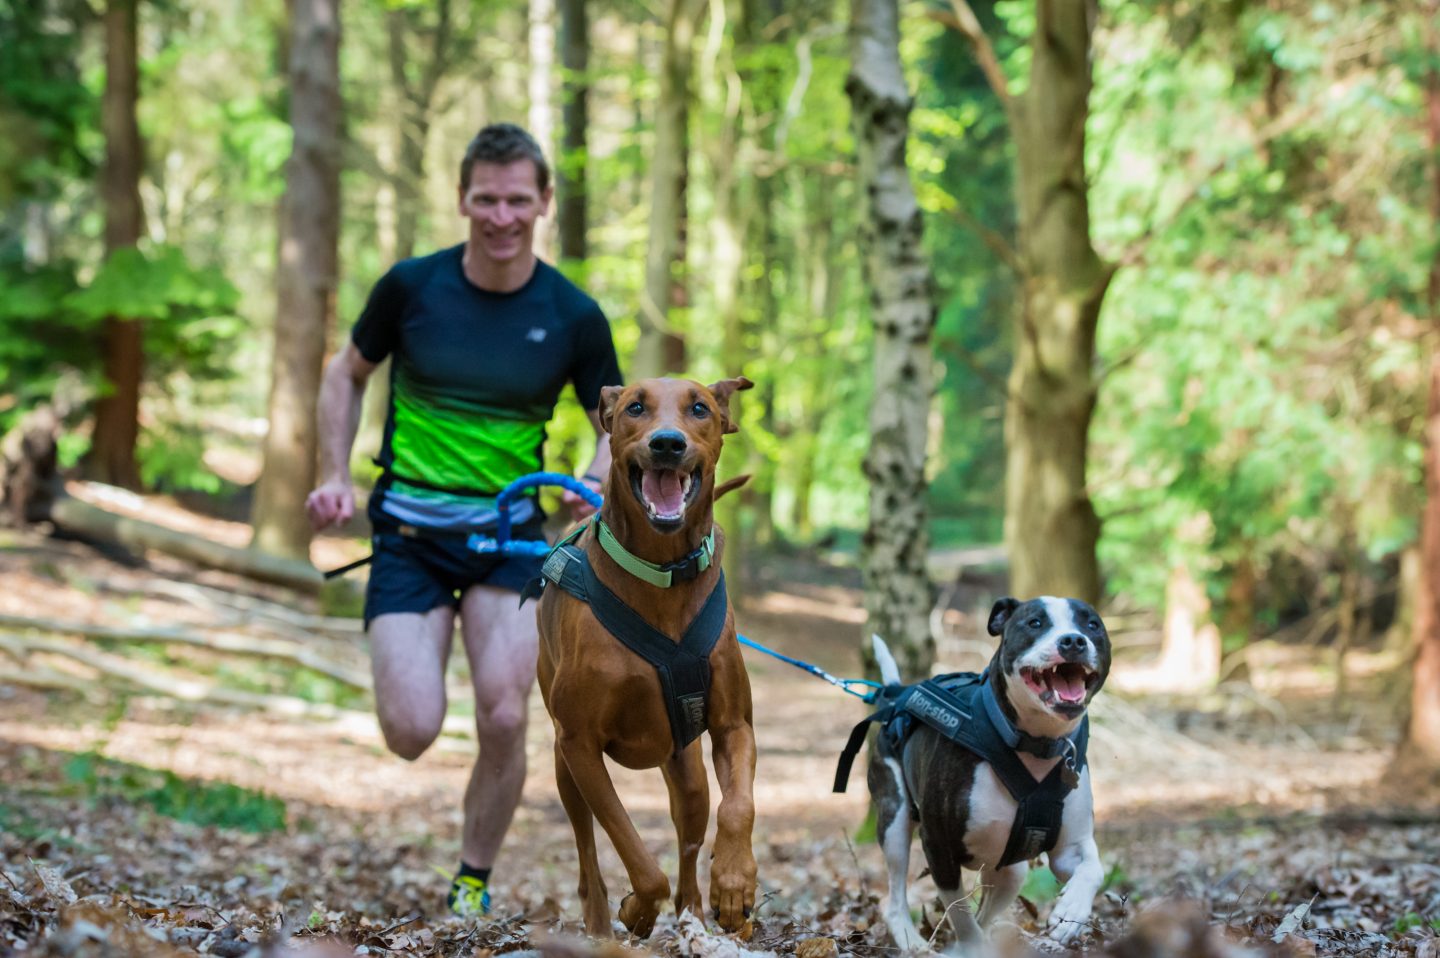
[(668, 444)]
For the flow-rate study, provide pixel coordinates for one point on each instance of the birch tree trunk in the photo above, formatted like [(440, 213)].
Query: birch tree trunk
[(306, 277), (111, 458), (660, 349), (897, 588), (571, 219), (1050, 525)]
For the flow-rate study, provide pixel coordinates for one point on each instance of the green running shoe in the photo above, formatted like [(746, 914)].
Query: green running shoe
[(469, 897)]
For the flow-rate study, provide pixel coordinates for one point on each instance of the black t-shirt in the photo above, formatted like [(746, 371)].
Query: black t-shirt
[(476, 374)]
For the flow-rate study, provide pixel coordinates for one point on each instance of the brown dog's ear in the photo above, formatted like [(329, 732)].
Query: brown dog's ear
[(723, 390), (609, 396), (730, 485)]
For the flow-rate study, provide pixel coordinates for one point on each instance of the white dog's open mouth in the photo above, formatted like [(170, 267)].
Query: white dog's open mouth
[(1063, 685)]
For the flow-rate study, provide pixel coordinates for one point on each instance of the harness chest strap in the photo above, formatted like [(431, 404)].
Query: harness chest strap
[(683, 667), (960, 708)]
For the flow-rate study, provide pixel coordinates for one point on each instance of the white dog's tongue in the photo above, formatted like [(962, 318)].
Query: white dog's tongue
[(1068, 683), (662, 489)]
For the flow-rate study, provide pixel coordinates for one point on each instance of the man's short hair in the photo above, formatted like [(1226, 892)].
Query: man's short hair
[(503, 143)]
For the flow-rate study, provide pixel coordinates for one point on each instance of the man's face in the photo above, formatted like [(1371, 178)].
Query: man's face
[(502, 202)]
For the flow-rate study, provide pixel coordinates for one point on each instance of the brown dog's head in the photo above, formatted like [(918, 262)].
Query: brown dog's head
[(665, 438)]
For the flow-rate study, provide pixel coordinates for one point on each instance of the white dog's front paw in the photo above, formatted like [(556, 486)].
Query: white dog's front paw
[(902, 929), (1069, 919)]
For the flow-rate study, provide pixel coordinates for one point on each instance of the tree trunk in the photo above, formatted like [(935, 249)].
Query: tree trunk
[(305, 278), (570, 218), (1237, 621), (661, 349), (1050, 525), (111, 457), (728, 223), (542, 106), (1421, 746), (897, 588), (1190, 648)]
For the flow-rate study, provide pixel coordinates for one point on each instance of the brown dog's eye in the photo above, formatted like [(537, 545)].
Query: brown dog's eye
[(699, 410), (636, 408)]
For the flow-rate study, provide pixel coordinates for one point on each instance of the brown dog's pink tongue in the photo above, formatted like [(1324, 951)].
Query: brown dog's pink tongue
[(661, 488)]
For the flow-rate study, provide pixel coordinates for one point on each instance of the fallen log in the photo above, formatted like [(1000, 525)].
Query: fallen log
[(84, 519), (225, 642)]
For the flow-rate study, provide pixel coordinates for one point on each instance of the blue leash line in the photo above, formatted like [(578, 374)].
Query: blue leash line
[(503, 544), (843, 685)]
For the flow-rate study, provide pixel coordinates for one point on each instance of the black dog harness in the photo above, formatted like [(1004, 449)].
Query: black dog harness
[(962, 707), (683, 667)]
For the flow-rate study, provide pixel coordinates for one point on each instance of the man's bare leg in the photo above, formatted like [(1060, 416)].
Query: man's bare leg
[(502, 642), (408, 652)]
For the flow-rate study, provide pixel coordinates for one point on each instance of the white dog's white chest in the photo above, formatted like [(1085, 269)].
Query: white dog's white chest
[(992, 811)]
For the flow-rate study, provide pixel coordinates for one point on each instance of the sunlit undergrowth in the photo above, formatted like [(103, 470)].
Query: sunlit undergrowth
[(188, 800)]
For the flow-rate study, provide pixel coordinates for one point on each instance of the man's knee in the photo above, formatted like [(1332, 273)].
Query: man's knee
[(408, 737), (501, 721)]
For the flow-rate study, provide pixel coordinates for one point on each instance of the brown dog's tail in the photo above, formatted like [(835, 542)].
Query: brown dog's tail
[(730, 485)]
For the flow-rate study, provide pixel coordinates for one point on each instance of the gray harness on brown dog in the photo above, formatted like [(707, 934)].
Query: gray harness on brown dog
[(683, 667)]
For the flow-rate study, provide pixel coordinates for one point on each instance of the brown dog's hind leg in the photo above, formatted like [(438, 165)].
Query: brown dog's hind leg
[(732, 876), (638, 910), (593, 901), (690, 810)]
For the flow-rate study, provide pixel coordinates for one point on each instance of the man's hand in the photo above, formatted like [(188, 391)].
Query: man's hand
[(577, 505), (332, 503)]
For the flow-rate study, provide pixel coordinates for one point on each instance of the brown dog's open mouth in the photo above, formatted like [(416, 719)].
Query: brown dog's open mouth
[(665, 494), (1062, 687)]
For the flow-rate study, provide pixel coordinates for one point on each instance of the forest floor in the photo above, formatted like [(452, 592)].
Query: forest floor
[(143, 812)]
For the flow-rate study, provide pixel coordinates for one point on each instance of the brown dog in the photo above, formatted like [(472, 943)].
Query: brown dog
[(605, 699)]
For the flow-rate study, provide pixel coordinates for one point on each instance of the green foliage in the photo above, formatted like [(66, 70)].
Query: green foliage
[(220, 804), (1040, 886), (44, 105)]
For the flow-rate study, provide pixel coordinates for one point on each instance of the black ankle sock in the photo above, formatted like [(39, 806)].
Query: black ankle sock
[(470, 871)]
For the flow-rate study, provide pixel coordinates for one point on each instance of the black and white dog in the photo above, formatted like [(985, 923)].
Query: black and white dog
[(1053, 657)]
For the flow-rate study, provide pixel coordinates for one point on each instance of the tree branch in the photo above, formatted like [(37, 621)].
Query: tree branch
[(997, 243), (964, 21)]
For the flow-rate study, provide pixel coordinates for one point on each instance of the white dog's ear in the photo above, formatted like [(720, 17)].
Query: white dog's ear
[(609, 397), (722, 391), (1001, 613)]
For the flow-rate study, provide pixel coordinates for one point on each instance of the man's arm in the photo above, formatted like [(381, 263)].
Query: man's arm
[(596, 472), (341, 391)]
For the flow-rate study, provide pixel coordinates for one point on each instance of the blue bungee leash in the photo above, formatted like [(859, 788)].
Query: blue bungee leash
[(502, 544)]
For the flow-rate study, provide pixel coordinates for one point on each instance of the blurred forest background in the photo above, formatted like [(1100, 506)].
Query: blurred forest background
[(1180, 286), (1262, 216)]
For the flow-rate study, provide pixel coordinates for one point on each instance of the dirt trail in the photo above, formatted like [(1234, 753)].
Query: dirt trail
[(368, 830)]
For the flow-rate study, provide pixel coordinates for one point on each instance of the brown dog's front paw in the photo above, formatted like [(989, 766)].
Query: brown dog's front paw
[(733, 897), (637, 915)]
